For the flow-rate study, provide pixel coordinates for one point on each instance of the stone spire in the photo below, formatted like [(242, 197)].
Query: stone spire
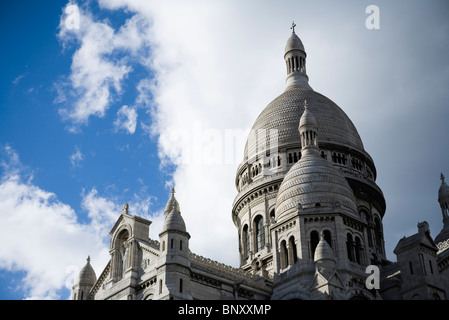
[(172, 203), (173, 218), (308, 130)]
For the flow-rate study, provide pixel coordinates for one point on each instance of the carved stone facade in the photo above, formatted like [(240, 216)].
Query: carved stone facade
[(308, 215)]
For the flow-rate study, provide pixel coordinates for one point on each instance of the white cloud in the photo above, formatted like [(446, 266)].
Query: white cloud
[(43, 236), (216, 65), (97, 71), (126, 119), (76, 158)]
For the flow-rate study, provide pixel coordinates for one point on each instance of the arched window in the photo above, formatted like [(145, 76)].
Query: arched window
[(246, 242), (121, 256), (260, 233), (292, 254), (358, 250), (314, 239), (283, 254)]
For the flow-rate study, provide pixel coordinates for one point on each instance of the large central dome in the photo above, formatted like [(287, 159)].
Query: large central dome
[(279, 179), (284, 112)]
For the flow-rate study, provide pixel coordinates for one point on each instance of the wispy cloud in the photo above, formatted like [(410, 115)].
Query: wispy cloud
[(98, 67), (17, 79), (76, 157), (126, 119)]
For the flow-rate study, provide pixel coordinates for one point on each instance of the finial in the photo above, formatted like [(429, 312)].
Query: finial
[(173, 191), (293, 26), (306, 107), (442, 177), (125, 208), (88, 259)]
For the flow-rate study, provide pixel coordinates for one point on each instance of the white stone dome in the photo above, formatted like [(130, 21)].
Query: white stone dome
[(174, 221), (312, 182), (282, 115), (87, 275), (294, 43)]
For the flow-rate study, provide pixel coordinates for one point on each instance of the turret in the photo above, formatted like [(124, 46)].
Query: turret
[(85, 281), (295, 60), (174, 256)]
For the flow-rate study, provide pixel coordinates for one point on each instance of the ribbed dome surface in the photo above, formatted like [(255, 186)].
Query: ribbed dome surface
[(313, 181), (174, 221), (87, 275), (284, 112), (323, 252), (294, 43)]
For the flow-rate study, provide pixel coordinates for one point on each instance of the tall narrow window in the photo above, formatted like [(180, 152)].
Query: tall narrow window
[(260, 233), (411, 267), (292, 250), (246, 242), (358, 249), (314, 239), (283, 254), (180, 285), (180, 245)]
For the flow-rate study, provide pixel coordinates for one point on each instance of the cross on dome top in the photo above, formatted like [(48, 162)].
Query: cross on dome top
[(442, 177), (293, 27)]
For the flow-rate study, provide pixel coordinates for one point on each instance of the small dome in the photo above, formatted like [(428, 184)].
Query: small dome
[(443, 192), (313, 181), (307, 117), (172, 203), (174, 221), (87, 275), (323, 252), (294, 43)]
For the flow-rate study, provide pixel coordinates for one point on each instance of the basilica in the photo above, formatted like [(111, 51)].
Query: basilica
[(308, 214)]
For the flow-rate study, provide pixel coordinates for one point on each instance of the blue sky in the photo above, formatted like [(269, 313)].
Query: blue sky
[(143, 96)]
